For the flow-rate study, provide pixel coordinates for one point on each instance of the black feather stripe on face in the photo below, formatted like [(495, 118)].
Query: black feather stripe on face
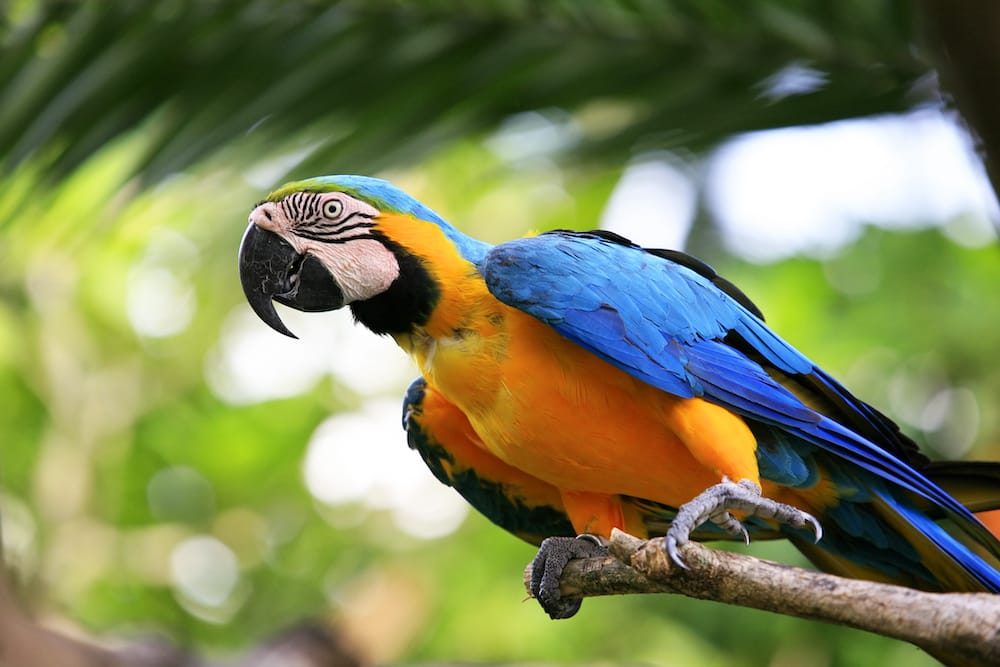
[(323, 230), (295, 206), (303, 209), (408, 302)]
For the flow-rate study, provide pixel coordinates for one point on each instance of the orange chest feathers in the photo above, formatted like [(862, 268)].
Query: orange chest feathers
[(548, 407)]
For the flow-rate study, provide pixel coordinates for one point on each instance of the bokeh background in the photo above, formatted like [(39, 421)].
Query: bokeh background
[(171, 467)]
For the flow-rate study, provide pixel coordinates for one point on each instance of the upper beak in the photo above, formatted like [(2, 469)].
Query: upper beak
[(270, 269)]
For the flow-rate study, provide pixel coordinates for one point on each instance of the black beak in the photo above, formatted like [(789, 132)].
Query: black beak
[(270, 269)]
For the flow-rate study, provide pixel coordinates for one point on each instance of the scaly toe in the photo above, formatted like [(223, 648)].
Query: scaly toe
[(547, 568), (715, 503)]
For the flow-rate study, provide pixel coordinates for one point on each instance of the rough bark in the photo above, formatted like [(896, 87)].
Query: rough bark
[(956, 628)]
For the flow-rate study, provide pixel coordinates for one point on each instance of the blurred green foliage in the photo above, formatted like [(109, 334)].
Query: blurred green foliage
[(135, 138)]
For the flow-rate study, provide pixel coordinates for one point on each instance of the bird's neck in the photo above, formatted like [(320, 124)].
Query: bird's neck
[(407, 304), (439, 293)]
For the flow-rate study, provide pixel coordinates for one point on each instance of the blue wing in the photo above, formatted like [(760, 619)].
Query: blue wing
[(670, 321)]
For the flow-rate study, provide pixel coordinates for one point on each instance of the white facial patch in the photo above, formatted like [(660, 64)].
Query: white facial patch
[(363, 267), (336, 229)]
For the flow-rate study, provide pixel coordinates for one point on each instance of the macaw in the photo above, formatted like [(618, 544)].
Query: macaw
[(574, 382)]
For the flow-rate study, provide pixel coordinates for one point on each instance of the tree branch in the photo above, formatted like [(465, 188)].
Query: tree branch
[(956, 628)]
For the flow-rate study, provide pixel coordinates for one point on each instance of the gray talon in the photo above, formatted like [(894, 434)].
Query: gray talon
[(675, 556), (715, 503), (596, 539), (547, 567), (817, 528)]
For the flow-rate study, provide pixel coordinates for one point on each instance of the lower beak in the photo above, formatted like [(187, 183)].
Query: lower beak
[(271, 270)]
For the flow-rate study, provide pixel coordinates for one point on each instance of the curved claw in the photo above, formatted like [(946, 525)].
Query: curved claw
[(671, 545), (715, 503), (547, 568), (817, 528)]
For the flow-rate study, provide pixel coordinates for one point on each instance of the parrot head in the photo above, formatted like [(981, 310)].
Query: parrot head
[(322, 244)]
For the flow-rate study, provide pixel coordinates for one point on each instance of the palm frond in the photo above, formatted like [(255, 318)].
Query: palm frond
[(382, 82)]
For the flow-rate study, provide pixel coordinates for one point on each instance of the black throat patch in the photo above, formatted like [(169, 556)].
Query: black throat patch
[(408, 302)]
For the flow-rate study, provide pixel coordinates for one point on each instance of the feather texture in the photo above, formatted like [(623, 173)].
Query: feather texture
[(576, 382), (670, 326)]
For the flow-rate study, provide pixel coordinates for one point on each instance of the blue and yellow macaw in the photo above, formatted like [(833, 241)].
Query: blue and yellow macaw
[(574, 382)]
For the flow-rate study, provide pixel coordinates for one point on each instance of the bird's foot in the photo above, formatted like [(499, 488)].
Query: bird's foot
[(548, 565), (714, 504)]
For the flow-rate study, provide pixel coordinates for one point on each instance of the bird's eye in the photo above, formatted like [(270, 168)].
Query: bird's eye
[(333, 208)]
